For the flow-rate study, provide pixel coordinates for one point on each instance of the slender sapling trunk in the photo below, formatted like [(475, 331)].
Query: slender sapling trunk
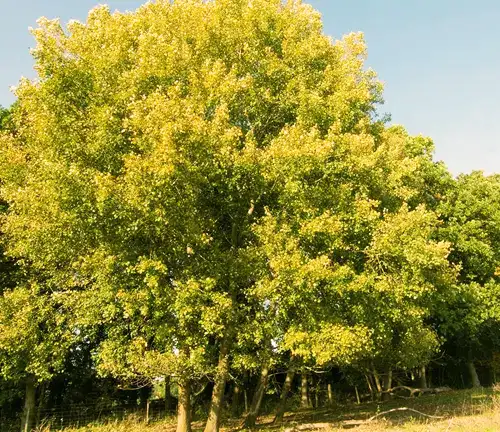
[(287, 386), (251, 418)]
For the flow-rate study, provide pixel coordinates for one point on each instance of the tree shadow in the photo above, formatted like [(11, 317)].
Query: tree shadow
[(349, 416)]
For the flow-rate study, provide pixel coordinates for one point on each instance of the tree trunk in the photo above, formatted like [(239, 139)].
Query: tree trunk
[(330, 394), (422, 378), (370, 387), (184, 406), (304, 391), (317, 384), (287, 386), (377, 383), (29, 412), (388, 380), (387, 385), (235, 401), (213, 421), (257, 398), (41, 401), (473, 374)]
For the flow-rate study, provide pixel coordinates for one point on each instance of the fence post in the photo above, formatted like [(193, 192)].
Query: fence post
[(147, 411)]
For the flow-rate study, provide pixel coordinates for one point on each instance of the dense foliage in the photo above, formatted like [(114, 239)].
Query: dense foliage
[(199, 193)]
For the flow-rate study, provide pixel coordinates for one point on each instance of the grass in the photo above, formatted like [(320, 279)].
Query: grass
[(464, 410)]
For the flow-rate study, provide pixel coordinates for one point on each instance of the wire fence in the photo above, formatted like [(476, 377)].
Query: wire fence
[(79, 415)]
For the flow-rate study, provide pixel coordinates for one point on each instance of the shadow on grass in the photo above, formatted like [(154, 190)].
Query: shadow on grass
[(446, 405)]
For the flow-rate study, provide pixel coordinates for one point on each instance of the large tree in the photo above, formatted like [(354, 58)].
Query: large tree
[(194, 168)]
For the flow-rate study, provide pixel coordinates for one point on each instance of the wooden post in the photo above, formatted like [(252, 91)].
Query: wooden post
[(147, 411)]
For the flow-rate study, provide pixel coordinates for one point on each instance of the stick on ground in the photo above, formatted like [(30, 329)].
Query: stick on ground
[(403, 409)]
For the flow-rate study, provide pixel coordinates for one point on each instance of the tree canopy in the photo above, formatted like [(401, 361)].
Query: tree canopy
[(200, 187)]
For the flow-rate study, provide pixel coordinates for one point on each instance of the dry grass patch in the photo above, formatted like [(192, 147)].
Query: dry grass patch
[(466, 410)]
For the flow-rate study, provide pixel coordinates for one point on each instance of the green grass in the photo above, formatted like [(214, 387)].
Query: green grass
[(465, 410)]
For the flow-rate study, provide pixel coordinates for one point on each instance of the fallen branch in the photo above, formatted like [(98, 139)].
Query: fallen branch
[(308, 426), (404, 409), (420, 391)]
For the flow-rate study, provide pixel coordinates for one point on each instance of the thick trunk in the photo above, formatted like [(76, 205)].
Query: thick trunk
[(184, 406), (304, 391), (29, 412), (214, 415), (330, 394), (287, 386), (257, 398), (235, 402), (423, 378), (473, 374)]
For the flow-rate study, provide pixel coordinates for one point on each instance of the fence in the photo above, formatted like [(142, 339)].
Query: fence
[(79, 415)]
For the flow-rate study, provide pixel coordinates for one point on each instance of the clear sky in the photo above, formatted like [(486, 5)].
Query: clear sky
[(439, 60)]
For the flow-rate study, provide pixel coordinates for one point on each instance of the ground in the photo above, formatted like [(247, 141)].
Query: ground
[(464, 410)]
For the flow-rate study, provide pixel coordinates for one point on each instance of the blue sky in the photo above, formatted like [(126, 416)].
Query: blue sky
[(439, 60)]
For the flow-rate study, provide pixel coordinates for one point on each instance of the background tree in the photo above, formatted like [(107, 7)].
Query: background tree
[(471, 213)]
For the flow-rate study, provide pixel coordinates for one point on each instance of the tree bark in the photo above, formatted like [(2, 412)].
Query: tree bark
[(387, 384), (41, 401), (214, 415), (184, 405), (370, 387), (430, 382), (245, 396), (422, 378), (252, 415), (287, 386), (473, 374), (317, 385), (29, 412), (304, 391), (330, 394), (235, 401), (378, 385)]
